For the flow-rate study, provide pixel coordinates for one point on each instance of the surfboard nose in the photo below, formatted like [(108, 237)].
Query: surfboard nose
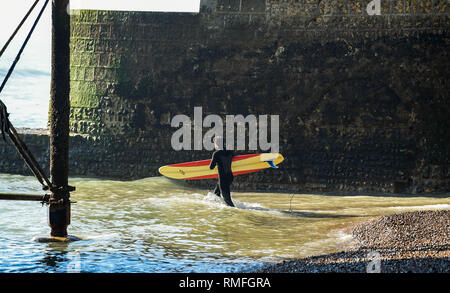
[(280, 158)]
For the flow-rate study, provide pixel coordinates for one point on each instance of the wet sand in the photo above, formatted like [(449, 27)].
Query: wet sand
[(411, 242)]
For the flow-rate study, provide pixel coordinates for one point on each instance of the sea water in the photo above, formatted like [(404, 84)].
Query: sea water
[(158, 225)]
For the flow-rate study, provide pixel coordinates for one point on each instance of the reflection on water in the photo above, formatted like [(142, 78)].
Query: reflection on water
[(156, 225)]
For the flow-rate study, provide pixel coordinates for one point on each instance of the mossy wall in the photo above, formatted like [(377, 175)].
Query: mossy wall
[(363, 100)]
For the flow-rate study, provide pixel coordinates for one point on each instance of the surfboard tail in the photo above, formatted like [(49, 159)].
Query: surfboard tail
[(272, 164)]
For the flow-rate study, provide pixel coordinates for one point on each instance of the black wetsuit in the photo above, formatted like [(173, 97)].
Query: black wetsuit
[(223, 160)]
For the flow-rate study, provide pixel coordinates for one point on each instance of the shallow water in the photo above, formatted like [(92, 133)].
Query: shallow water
[(156, 225)]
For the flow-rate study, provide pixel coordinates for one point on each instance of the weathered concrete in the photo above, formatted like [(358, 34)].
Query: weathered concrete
[(363, 100)]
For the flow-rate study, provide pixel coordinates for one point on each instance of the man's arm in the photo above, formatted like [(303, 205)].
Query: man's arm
[(213, 163)]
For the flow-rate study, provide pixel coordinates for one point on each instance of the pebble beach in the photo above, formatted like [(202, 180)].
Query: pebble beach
[(410, 242)]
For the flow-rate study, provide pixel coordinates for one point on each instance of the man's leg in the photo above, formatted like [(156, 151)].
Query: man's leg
[(225, 189), (217, 190)]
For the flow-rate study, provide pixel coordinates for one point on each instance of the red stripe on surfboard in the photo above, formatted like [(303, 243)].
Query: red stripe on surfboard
[(216, 175), (207, 162)]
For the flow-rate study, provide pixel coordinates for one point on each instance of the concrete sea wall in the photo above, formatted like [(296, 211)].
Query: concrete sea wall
[(362, 99)]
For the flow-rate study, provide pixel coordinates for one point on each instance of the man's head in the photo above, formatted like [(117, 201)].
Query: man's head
[(218, 143)]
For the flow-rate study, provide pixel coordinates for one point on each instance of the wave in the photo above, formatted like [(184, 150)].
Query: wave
[(212, 198), (26, 72)]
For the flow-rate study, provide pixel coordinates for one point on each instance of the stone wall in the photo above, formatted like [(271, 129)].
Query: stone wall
[(363, 100)]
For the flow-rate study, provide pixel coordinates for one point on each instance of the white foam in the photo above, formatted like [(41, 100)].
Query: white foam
[(247, 205), (212, 198), (431, 206), (340, 235)]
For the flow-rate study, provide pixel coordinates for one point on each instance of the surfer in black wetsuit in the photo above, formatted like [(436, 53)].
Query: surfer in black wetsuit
[(222, 158)]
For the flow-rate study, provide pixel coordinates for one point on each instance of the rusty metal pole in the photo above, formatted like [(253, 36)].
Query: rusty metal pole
[(59, 208)]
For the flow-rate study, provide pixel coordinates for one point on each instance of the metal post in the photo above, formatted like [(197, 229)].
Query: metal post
[(59, 208), (23, 197)]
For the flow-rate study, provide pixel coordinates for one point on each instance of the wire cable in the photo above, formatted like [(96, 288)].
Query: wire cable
[(11, 69), (18, 28)]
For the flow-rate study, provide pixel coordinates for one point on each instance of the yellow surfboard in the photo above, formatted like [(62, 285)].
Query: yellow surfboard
[(242, 164)]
